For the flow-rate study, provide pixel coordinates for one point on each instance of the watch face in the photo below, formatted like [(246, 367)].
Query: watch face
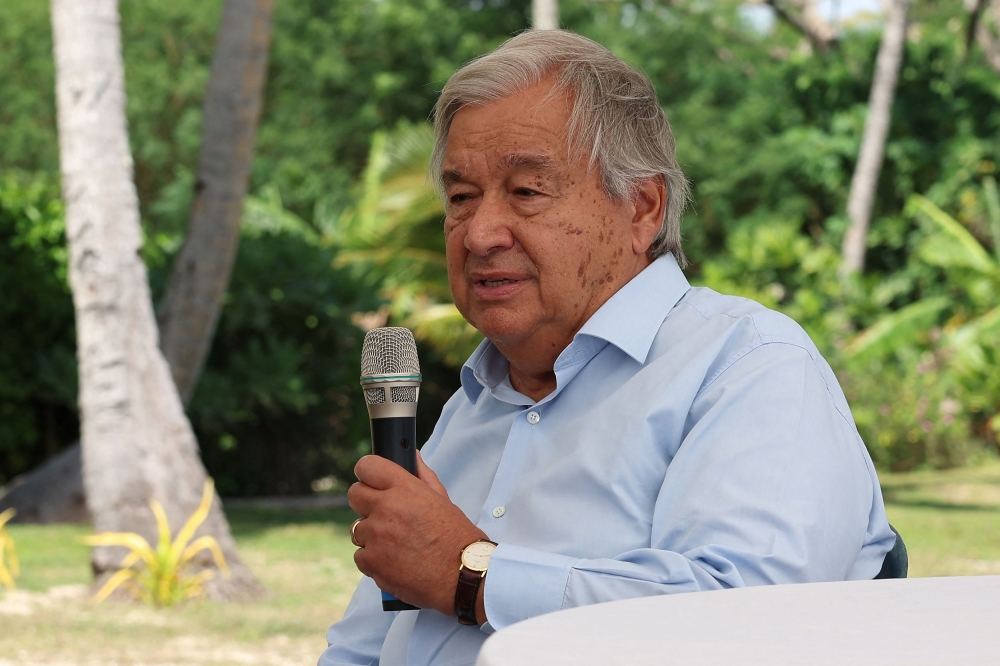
[(477, 555)]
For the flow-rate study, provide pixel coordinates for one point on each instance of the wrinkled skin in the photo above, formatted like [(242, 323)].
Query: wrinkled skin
[(534, 248)]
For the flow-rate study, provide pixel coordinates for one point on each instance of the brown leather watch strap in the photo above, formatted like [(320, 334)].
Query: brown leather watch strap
[(466, 594)]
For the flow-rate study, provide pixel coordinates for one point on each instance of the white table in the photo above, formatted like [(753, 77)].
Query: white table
[(912, 622)]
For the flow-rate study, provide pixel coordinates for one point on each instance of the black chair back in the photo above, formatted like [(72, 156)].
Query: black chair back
[(896, 562)]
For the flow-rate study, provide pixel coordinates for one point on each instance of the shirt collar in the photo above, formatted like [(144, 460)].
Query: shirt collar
[(629, 320), (632, 316)]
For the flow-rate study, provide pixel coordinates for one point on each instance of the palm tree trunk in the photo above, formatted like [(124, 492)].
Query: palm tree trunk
[(137, 443), (866, 172), (545, 14), (200, 275)]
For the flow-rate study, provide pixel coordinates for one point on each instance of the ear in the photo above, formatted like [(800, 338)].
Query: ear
[(650, 203)]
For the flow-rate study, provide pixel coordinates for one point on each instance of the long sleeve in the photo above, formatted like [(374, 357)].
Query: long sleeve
[(357, 639), (769, 485)]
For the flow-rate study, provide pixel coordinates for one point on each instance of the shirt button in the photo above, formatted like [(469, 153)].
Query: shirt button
[(499, 511), (533, 418)]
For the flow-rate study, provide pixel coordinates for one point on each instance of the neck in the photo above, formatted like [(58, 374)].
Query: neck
[(532, 360), (535, 385)]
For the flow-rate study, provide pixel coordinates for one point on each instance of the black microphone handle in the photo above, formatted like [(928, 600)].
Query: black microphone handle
[(396, 439)]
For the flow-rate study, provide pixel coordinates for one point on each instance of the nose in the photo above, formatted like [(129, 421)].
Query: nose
[(489, 228)]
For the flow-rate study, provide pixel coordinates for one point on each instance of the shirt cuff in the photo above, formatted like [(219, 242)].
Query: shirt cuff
[(524, 583)]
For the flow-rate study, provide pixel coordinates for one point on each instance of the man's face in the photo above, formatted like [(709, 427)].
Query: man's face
[(534, 245)]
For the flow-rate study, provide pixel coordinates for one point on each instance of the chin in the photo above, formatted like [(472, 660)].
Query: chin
[(499, 327)]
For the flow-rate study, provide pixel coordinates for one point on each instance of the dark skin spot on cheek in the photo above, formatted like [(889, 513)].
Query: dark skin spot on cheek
[(583, 269)]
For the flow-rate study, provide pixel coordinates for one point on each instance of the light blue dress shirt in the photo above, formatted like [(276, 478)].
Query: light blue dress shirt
[(694, 441)]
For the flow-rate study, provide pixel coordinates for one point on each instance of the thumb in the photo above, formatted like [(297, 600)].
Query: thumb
[(427, 475)]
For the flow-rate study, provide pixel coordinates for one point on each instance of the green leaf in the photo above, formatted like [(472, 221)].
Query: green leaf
[(967, 340), (953, 246), (902, 327)]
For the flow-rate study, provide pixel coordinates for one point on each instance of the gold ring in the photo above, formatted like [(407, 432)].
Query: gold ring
[(354, 539)]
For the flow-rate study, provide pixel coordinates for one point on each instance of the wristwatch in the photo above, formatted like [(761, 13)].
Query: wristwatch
[(475, 561)]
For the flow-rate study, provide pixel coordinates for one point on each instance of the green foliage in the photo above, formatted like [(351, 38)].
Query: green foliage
[(165, 576), (10, 568), (278, 406), (939, 354), (37, 339), (910, 412), (394, 237), (341, 222), (27, 88), (343, 70)]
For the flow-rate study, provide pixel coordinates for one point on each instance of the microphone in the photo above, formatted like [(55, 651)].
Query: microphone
[(390, 378)]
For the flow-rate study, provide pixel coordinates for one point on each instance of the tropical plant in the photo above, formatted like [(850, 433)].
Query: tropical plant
[(942, 349), (972, 271), (8, 572), (395, 234), (165, 575)]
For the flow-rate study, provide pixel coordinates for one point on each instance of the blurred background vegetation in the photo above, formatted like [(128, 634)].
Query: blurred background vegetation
[(341, 229)]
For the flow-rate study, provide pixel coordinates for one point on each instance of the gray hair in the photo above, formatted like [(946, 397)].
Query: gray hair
[(615, 122)]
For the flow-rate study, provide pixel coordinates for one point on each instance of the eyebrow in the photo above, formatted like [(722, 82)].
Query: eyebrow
[(513, 162), (540, 163)]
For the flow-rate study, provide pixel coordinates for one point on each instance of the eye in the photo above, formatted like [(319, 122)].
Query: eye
[(459, 198), (525, 192)]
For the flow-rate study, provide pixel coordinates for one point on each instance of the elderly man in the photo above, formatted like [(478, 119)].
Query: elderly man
[(619, 433)]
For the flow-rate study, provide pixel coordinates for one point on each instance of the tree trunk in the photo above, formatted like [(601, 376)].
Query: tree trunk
[(990, 43), (806, 20), (200, 275), (866, 172), (137, 443), (545, 14)]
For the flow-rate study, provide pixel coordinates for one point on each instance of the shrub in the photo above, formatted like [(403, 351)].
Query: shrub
[(165, 574)]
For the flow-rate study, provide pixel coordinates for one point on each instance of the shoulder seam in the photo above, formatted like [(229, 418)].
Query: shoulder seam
[(743, 352)]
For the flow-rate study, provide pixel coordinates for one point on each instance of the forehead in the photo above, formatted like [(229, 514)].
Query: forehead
[(524, 131)]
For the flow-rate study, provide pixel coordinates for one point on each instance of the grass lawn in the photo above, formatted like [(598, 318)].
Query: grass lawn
[(304, 557), (950, 520)]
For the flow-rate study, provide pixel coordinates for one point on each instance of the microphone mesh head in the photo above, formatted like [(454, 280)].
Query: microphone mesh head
[(389, 351)]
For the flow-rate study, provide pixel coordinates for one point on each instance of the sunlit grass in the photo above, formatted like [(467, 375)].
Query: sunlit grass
[(54, 555), (949, 520), (304, 558)]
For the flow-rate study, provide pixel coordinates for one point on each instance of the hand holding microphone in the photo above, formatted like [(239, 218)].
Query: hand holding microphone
[(411, 535)]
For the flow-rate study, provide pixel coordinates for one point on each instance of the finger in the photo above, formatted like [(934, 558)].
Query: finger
[(427, 475), (361, 561), (362, 498), (379, 473)]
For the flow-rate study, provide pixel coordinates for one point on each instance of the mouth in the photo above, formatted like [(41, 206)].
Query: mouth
[(495, 287), (496, 283)]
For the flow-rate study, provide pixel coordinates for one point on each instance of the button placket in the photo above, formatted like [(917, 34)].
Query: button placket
[(521, 436)]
